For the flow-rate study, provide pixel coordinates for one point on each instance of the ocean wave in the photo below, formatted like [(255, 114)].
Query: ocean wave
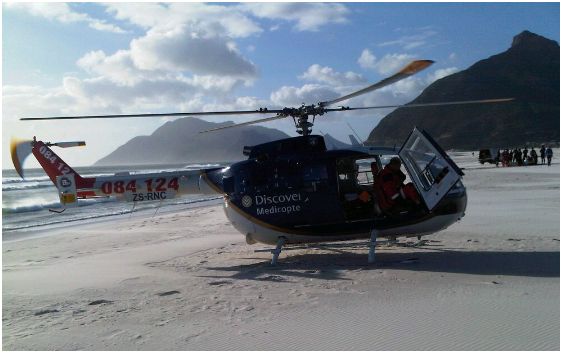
[(202, 166), (89, 216), (43, 178), (31, 205), (14, 180), (26, 186)]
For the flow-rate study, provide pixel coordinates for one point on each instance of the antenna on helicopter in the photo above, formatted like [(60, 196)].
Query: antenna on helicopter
[(357, 140)]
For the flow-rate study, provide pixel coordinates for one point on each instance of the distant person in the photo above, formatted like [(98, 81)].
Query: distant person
[(543, 153), (498, 158), (505, 158), (511, 158), (519, 157), (525, 153), (534, 157), (398, 197), (549, 155)]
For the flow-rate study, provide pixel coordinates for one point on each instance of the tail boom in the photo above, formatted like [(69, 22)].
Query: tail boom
[(125, 186)]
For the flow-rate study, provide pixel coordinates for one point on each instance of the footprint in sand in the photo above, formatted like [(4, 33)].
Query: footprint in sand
[(168, 293), (45, 311), (100, 301), (273, 278), (218, 283)]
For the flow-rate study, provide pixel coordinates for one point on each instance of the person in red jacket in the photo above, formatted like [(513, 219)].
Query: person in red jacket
[(397, 196)]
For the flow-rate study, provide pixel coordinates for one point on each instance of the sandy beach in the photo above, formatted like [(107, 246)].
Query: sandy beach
[(186, 280)]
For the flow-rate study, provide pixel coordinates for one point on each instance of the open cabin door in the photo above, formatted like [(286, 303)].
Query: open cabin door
[(430, 168)]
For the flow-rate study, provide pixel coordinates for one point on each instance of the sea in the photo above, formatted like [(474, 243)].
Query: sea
[(26, 203)]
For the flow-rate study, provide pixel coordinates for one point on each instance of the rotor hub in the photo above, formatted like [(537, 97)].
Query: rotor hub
[(301, 116)]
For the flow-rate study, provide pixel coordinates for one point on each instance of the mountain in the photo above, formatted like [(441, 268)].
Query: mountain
[(528, 71), (179, 141)]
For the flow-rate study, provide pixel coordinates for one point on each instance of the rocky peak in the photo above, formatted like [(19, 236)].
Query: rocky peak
[(530, 40)]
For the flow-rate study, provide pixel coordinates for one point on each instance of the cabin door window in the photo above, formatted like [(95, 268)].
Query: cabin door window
[(430, 168)]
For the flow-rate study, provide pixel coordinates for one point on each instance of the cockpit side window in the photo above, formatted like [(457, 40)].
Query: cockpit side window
[(364, 171), (308, 176), (315, 177)]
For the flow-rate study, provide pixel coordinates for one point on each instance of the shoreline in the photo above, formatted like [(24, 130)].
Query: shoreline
[(46, 230)]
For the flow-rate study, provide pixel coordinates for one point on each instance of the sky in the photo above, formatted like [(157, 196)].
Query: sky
[(119, 58)]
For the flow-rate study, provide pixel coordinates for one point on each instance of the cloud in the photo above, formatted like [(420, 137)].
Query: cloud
[(391, 63), (332, 84), (185, 59), (398, 93), (104, 26), (307, 16), (62, 12), (236, 20), (214, 19), (188, 49), (325, 74), (412, 41), (440, 73), (178, 63), (118, 67), (367, 59), (290, 96), (24, 101), (388, 64), (164, 68)]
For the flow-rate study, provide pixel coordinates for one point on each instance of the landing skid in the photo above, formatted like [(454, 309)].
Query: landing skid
[(282, 240), (372, 244)]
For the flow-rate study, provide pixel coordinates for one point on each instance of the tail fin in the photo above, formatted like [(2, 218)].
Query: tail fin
[(53, 165), (19, 150), (354, 141)]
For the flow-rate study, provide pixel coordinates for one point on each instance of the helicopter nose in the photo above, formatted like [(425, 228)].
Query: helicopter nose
[(458, 199)]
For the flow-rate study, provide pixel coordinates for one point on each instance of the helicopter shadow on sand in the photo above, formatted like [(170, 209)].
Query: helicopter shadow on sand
[(335, 265)]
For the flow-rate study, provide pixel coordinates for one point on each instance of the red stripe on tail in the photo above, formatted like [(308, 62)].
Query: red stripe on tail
[(55, 166)]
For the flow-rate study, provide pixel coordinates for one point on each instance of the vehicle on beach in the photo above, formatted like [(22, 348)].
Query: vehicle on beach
[(294, 190), (488, 155)]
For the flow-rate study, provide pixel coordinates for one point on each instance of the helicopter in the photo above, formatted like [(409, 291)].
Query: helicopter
[(293, 190)]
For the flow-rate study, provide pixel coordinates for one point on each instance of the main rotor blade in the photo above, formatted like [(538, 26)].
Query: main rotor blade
[(246, 123), (407, 71), (416, 105), (232, 112)]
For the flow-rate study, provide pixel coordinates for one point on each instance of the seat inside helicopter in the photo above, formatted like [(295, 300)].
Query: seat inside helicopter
[(360, 192)]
